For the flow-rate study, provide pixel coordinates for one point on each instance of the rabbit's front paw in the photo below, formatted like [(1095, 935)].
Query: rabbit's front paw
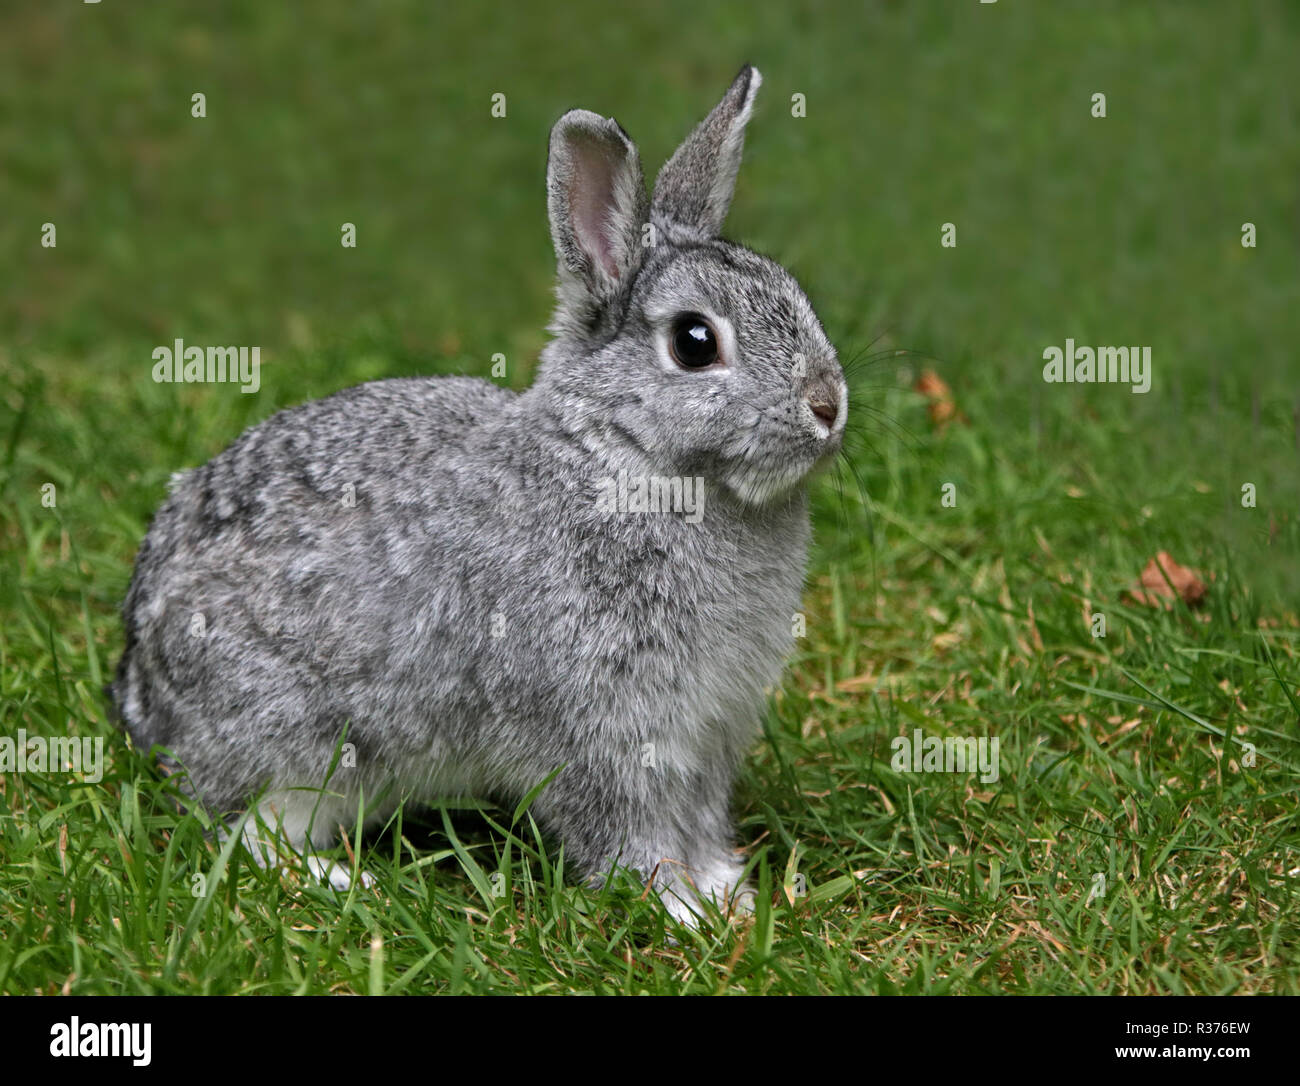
[(742, 900), (270, 849), (693, 894), (338, 876)]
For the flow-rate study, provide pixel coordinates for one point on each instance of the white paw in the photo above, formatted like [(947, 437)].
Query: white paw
[(742, 901), (683, 906), (692, 902), (338, 876)]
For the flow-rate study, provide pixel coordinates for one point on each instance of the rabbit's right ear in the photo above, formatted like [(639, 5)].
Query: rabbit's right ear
[(597, 203), (694, 189)]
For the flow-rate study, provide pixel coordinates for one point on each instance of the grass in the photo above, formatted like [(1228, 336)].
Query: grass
[(1121, 756)]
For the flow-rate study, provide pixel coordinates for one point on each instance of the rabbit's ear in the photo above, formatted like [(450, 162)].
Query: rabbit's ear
[(694, 188), (597, 202)]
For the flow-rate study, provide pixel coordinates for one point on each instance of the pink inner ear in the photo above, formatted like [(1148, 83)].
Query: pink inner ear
[(591, 205)]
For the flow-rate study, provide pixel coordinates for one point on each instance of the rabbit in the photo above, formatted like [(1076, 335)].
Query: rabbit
[(438, 586)]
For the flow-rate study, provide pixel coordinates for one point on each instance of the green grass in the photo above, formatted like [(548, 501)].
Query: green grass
[(1121, 756)]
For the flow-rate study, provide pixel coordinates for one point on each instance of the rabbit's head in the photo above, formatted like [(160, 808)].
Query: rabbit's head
[(675, 349)]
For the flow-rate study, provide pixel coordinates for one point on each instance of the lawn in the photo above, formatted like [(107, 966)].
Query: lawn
[(1141, 834)]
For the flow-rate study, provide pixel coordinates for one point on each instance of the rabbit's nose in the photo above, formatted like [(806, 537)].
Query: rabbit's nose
[(824, 399)]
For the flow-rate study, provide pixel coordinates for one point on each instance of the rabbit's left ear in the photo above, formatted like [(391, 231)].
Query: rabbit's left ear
[(694, 188), (595, 195)]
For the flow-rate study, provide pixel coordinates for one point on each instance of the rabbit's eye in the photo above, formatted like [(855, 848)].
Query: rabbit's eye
[(693, 342)]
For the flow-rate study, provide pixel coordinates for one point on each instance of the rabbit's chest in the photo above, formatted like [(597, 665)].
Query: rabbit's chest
[(652, 628), (713, 624)]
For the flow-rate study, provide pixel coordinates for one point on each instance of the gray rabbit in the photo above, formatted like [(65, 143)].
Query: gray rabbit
[(476, 588)]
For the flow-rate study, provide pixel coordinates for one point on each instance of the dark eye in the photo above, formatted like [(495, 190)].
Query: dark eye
[(692, 342)]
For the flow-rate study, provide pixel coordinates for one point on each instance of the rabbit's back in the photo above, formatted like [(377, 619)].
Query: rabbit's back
[(272, 590)]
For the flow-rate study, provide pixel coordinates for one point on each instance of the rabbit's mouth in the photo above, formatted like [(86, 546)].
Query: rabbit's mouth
[(784, 445), (766, 480), (762, 484)]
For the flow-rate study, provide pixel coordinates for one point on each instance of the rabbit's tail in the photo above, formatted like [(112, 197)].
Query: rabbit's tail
[(114, 711), (123, 708), (115, 692)]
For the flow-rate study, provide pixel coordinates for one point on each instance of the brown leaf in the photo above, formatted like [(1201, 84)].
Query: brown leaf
[(941, 408), (857, 682), (1154, 587)]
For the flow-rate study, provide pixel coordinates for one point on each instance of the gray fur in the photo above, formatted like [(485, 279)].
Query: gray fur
[(474, 616), (711, 154)]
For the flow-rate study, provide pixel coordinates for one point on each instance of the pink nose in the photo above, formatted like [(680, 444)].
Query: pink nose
[(825, 403), (824, 411)]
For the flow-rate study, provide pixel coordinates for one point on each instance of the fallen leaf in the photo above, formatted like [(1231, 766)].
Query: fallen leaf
[(858, 682), (941, 408), (1153, 589), (941, 642)]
